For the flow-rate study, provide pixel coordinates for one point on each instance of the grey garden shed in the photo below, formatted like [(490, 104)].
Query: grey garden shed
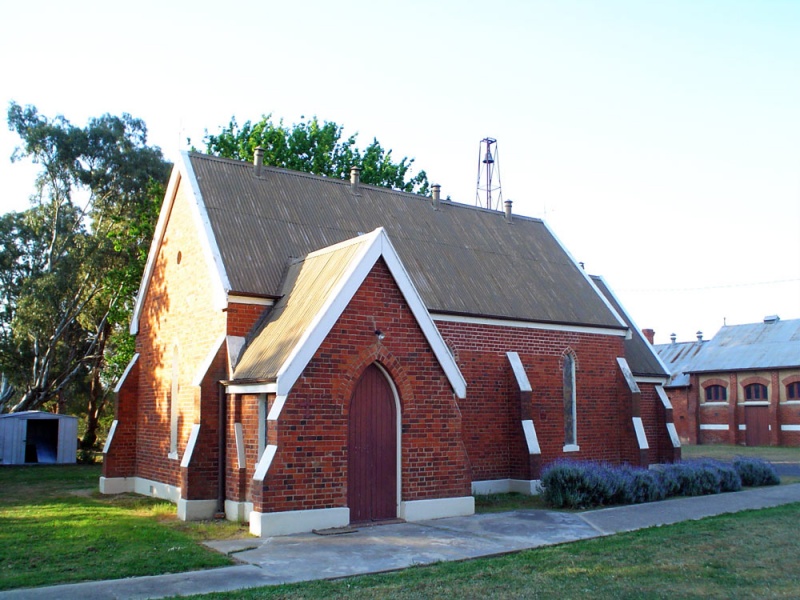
[(38, 437)]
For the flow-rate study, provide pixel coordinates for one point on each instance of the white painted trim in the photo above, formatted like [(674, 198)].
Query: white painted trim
[(155, 245), (662, 395), (656, 380), (251, 388), (238, 434), (641, 436), (791, 402), (755, 403), (196, 510), (206, 364), (253, 300), (112, 430), (125, 373), (673, 435), (571, 448), (588, 278), (173, 455), (628, 375), (262, 424), (527, 325), (156, 489), (530, 437), (116, 485), (742, 427), (266, 460), (238, 511), (439, 508), (790, 427), (234, 344), (638, 332), (187, 454), (523, 382), (374, 245), (277, 407), (297, 521), (529, 487), (714, 427), (713, 404), (219, 277)]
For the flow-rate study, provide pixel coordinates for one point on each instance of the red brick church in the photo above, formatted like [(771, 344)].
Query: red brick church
[(312, 353)]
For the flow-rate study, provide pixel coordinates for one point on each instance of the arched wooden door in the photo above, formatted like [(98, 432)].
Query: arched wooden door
[(372, 450)]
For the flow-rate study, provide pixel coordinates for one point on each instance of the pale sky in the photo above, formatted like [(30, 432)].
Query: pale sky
[(659, 139)]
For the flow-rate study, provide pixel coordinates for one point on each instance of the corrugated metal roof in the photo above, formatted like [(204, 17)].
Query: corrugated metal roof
[(461, 259), (638, 351), (678, 357), (306, 289), (751, 346)]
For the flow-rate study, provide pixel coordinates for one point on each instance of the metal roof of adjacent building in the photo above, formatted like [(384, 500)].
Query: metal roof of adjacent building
[(767, 345), (678, 356), (638, 352), (463, 260)]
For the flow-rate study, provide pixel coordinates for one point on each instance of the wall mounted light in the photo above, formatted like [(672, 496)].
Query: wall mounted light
[(379, 334)]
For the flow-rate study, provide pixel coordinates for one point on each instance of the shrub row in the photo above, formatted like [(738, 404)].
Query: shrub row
[(570, 484)]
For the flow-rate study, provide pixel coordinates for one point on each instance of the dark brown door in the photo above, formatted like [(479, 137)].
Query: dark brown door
[(756, 419), (372, 450)]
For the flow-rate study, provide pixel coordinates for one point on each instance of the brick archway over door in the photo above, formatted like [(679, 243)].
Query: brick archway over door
[(372, 449)]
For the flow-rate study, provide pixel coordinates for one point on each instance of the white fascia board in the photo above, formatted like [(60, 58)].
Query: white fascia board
[(423, 317), (187, 455), (376, 244), (206, 364), (663, 397), (626, 372), (125, 373), (334, 306), (251, 388), (266, 460), (158, 237), (528, 325), (254, 300), (586, 276), (519, 372), (530, 437), (656, 380), (219, 277), (641, 436)]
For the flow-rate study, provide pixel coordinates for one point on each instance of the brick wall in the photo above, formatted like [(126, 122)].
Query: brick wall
[(120, 460), (179, 315), (309, 470), (492, 430)]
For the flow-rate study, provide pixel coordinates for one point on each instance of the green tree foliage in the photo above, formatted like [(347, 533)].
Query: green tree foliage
[(318, 148), (71, 264)]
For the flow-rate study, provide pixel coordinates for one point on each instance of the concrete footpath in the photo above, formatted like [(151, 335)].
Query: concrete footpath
[(303, 557)]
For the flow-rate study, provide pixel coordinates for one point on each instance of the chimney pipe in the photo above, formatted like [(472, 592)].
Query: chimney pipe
[(258, 161), (673, 338), (355, 178), (699, 336), (507, 204), (436, 195), (649, 334)]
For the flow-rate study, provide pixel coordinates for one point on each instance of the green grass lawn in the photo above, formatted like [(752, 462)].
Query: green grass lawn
[(746, 555), (56, 528), (730, 451)]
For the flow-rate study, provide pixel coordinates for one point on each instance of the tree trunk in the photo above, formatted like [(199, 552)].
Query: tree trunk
[(97, 393)]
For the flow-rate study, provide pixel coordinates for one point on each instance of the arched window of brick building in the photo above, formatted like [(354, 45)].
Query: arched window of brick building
[(755, 391), (793, 391), (570, 409), (716, 393)]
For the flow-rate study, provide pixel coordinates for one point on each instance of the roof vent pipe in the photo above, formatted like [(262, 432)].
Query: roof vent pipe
[(507, 204), (436, 190), (673, 337), (699, 336), (258, 161), (355, 178), (771, 319)]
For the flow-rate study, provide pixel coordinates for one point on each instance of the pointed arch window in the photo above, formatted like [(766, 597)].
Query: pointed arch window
[(570, 404)]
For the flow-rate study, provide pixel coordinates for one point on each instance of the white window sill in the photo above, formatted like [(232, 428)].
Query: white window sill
[(756, 402), (714, 404), (791, 402), (571, 448), (172, 456)]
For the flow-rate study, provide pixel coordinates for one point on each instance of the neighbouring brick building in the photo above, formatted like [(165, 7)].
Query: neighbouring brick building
[(313, 352), (741, 387)]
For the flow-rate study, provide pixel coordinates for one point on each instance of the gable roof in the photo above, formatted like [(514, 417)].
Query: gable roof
[(462, 260), (315, 292), (767, 345), (640, 355), (677, 357)]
